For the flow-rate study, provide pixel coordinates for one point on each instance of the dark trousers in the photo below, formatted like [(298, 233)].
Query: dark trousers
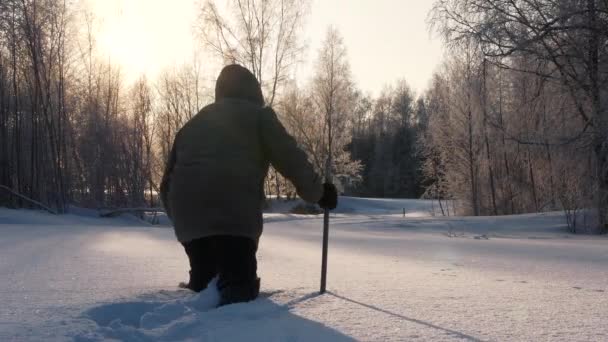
[(232, 259)]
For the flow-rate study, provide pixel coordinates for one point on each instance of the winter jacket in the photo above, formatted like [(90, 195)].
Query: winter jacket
[(213, 182)]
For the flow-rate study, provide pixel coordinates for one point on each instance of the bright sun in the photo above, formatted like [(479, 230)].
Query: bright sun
[(145, 36)]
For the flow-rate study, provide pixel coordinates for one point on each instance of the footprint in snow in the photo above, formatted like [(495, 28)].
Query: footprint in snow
[(194, 315)]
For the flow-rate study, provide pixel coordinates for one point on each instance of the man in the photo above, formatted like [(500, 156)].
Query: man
[(213, 190)]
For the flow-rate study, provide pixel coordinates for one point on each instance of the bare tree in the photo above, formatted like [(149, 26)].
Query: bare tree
[(34, 36), (568, 38), (138, 143), (263, 35), (180, 95)]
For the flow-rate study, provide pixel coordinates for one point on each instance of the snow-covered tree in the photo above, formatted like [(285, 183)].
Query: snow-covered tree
[(333, 96)]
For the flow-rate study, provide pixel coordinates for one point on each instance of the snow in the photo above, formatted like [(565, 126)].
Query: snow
[(391, 278)]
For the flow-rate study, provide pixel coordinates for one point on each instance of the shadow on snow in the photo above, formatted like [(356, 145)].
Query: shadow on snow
[(181, 315), (409, 319)]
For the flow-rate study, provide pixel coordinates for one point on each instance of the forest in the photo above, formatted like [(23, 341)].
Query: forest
[(513, 121)]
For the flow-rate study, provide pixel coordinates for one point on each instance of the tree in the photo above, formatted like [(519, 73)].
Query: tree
[(35, 51), (568, 38), (333, 96), (453, 138), (264, 36), (139, 143), (180, 94)]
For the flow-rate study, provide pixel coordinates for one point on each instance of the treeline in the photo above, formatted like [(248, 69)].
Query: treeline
[(386, 133), (373, 149), (517, 114), (73, 132), (375, 141)]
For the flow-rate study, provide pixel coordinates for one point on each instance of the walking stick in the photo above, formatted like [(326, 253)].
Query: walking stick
[(326, 214), (324, 258)]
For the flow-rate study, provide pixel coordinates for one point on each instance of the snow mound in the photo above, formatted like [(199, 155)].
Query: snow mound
[(182, 316), (364, 206), (76, 216), (385, 206)]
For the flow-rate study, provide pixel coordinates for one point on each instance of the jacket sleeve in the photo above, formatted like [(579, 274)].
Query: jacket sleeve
[(166, 181), (285, 155)]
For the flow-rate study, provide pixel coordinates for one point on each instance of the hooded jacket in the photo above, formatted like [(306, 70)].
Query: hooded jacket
[(214, 180)]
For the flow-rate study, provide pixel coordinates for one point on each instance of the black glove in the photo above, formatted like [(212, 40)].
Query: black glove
[(330, 197)]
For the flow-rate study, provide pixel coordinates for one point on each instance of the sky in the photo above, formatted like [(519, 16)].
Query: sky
[(386, 40)]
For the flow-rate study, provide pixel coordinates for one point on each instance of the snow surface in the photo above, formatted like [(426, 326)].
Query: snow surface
[(391, 278)]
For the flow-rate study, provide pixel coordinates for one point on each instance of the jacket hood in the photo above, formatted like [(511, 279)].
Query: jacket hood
[(238, 82)]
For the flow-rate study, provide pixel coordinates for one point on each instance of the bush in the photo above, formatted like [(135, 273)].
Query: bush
[(306, 209)]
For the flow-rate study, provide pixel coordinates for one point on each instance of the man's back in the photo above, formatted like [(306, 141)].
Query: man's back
[(219, 172), (221, 159), (222, 144), (220, 133)]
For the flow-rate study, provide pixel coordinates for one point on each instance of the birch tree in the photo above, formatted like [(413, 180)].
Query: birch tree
[(334, 96)]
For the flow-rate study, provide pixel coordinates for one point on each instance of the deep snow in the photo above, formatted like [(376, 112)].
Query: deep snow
[(516, 278)]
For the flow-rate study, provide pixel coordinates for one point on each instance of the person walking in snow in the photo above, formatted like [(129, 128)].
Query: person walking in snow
[(212, 188)]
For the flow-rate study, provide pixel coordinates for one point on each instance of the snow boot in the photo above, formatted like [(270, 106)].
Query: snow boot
[(231, 293), (194, 286)]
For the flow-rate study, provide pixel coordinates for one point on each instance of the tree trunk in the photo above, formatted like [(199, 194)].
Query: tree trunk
[(507, 182), (277, 183), (600, 121), (4, 143), (487, 140), (470, 147), (532, 181)]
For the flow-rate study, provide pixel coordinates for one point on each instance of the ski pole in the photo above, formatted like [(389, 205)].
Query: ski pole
[(326, 224), (328, 179), (324, 258)]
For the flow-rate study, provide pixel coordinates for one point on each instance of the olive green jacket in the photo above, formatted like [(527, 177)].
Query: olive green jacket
[(214, 180)]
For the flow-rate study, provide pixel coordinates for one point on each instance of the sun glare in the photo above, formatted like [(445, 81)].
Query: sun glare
[(145, 36)]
